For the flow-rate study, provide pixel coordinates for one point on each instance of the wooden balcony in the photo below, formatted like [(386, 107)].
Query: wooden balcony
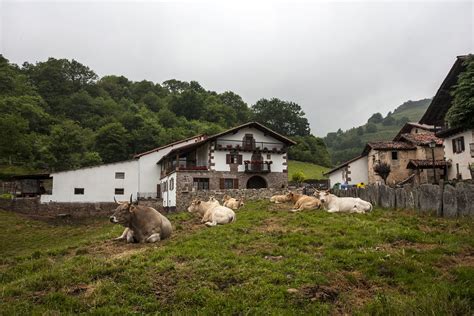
[(257, 166)]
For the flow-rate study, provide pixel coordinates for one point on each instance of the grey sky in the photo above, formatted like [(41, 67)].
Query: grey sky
[(340, 61)]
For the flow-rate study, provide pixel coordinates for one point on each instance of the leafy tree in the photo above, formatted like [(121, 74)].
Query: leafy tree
[(175, 86), (375, 118), (235, 102), (112, 142), (284, 117), (15, 143), (403, 120), (310, 149), (371, 128), (461, 112), (383, 170), (360, 131), (189, 104), (389, 120), (298, 177)]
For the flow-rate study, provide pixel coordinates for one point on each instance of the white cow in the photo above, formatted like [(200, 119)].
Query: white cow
[(334, 204), (212, 213), (232, 203)]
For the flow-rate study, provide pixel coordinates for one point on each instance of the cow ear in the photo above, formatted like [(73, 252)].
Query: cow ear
[(198, 202)]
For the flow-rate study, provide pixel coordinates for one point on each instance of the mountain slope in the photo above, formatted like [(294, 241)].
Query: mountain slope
[(344, 145), (310, 170)]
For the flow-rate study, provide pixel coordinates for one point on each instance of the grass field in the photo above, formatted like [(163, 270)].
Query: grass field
[(270, 261), (310, 170)]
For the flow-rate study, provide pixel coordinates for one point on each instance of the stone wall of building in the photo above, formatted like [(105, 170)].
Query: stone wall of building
[(442, 200)]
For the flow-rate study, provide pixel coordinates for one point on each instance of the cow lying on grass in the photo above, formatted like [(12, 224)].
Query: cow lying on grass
[(334, 204), (303, 202), (231, 202), (212, 212), (143, 224), (277, 199)]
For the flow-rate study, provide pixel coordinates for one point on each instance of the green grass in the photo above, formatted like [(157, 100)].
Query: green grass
[(385, 262), (310, 170)]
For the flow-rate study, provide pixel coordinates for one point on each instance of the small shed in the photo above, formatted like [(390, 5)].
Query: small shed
[(30, 185)]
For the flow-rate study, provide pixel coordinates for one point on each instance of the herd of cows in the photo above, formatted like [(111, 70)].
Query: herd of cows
[(145, 224)]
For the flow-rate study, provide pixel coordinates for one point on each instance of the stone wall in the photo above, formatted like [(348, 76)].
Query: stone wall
[(442, 200)]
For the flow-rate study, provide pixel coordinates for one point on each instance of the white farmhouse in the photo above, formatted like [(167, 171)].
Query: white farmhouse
[(247, 156), (350, 172), (458, 152)]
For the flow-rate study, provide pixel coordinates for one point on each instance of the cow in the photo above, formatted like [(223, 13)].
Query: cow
[(277, 199), (211, 212), (334, 204), (303, 202), (142, 223), (231, 202)]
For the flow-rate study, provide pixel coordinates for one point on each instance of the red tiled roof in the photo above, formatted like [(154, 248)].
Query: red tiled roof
[(425, 163), (423, 139), (387, 145)]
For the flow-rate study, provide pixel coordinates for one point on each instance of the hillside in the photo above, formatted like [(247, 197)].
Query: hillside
[(344, 145), (310, 170)]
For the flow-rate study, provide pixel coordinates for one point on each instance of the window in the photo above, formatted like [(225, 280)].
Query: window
[(79, 191), (233, 159), (119, 191), (249, 142), (201, 183), (171, 181), (394, 155), (458, 145), (228, 184), (120, 175), (269, 156)]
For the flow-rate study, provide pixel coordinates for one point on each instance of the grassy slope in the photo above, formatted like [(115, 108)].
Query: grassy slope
[(311, 171), (381, 263)]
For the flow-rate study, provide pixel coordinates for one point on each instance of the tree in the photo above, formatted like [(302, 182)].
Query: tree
[(298, 177), (383, 170), (284, 117), (389, 120), (112, 142), (15, 143), (371, 128), (189, 104), (461, 112), (360, 131), (235, 102), (375, 118), (403, 120)]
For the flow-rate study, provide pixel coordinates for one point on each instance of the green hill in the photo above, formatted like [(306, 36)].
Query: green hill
[(344, 145), (310, 170)]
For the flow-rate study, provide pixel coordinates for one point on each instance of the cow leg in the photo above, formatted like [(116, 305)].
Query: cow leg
[(210, 224), (130, 238), (332, 211), (153, 238), (124, 234)]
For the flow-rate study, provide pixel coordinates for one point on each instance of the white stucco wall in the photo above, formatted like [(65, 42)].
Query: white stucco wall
[(259, 136), (98, 182), (463, 159), (169, 196), (359, 171), (336, 177)]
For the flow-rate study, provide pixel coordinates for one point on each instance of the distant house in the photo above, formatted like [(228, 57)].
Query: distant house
[(408, 154), (351, 172), (458, 142), (247, 156)]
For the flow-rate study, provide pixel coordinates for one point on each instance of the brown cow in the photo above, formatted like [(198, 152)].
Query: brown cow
[(303, 202), (143, 224)]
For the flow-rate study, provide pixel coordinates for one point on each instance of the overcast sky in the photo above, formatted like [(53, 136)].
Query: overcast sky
[(340, 61)]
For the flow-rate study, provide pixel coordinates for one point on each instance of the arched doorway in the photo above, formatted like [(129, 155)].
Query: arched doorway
[(256, 182)]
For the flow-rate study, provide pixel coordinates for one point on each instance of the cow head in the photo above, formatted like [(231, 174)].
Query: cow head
[(122, 213), (225, 198), (290, 195), (323, 196), (213, 200), (195, 206)]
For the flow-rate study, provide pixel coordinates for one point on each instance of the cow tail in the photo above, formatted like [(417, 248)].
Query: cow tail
[(371, 207), (234, 218)]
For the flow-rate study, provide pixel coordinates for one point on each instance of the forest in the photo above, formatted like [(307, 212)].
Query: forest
[(58, 115)]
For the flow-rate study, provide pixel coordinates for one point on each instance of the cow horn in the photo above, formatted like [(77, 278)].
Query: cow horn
[(131, 198), (116, 201)]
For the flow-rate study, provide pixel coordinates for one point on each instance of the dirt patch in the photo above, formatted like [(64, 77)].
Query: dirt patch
[(116, 249), (462, 259), (272, 224), (404, 244)]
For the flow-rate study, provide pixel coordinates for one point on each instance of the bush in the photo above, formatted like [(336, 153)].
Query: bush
[(298, 177), (6, 196)]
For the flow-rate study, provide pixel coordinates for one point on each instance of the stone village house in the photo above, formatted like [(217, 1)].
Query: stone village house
[(248, 156)]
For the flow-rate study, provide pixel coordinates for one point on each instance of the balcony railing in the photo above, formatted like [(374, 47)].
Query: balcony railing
[(227, 144), (257, 166)]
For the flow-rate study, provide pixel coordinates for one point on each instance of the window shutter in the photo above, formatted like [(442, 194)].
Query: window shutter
[(462, 144), (222, 185), (227, 159), (236, 183), (454, 146), (239, 159)]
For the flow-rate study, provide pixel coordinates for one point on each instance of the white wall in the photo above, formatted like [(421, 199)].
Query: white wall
[(169, 196), (336, 177), (220, 155), (463, 159), (99, 183), (359, 171)]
